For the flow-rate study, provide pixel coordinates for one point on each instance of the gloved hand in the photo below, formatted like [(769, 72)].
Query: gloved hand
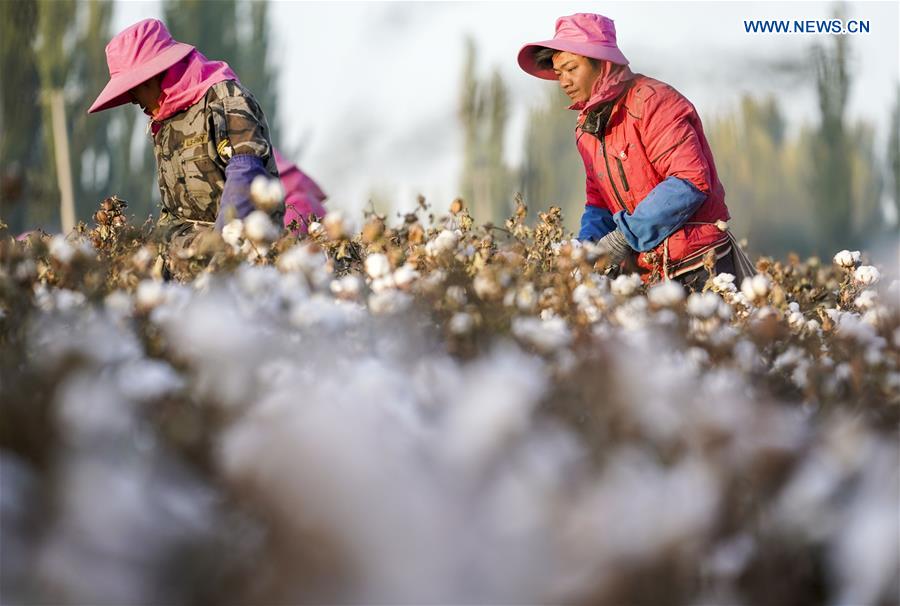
[(614, 246), (235, 202)]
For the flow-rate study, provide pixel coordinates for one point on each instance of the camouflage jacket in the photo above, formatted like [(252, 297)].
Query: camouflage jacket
[(192, 149)]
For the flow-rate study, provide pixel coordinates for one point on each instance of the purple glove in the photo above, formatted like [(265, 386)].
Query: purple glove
[(239, 174)]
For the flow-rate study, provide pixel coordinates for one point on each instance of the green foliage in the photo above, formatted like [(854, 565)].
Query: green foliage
[(20, 150), (893, 154), (812, 193), (232, 31), (486, 182), (552, 171)]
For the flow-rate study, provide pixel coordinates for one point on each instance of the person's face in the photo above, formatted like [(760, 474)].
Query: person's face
[(576, 75), (147, 95)]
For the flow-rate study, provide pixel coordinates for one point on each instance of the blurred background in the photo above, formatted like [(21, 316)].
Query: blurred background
[(383, 101)]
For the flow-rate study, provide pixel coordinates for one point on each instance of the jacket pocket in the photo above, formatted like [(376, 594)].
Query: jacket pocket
[(622, 174), (203, 182)]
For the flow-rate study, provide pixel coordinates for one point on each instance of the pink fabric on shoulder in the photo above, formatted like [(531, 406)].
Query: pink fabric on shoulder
[(302, 196), (186, 82)]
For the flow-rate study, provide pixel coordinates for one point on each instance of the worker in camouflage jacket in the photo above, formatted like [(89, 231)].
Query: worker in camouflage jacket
[(210, 136)]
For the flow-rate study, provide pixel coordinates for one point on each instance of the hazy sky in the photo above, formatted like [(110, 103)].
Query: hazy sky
[(368, 90)]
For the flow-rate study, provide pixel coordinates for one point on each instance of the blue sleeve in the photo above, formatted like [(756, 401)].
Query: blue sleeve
[(596, 222), (239, 174), (666, 208)]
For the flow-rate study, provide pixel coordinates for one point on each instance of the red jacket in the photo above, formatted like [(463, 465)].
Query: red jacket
[(654, 132)]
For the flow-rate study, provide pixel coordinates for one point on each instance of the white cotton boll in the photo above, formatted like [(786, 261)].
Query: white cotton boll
[(456, 295), (259, 188), (746, 355), (377, 265), (383, 283), (142, 258), (526, 298), (756, 288), (315, 229), (337, 225), (119, 303), (266, 193), (389, 302), (347, 287), (847, 258), (796, 319), (866, 299), (233, 233), (444, 242), (149, 294), (61, 249), (632, 315), (582, 295), (592, 251), (724, 282), (64, 300), (866, 274), (703, 305), (665, 294), (485, 286), (26, 270), (306, 258), (625, 285), (493, 404), (461, 323), (147, 380), (325, 314), (791, 357), (546, 335), (404, 276), (258, 227), (84, 248), (431, 283)]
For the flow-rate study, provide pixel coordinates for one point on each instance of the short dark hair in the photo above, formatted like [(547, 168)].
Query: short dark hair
[(543, 58)]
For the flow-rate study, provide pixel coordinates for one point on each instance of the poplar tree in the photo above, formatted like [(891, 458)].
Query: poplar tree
[(20, 145)]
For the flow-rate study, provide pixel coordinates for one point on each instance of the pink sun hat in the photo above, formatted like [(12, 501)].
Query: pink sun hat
[(134, 56), (584, 34)]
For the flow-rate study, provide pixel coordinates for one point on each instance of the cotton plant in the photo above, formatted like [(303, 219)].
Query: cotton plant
[(308, 420)]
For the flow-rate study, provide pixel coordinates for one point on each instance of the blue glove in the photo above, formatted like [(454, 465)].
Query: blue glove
[(664, 210), (239, 174)]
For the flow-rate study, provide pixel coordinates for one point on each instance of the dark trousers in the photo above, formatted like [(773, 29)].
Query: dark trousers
[(696, 278)]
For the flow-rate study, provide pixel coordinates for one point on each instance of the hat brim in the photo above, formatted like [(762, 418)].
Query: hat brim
[(115, 92), (593, 50)]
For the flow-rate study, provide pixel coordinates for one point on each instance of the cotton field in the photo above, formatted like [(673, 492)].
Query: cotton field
[(428, 411)]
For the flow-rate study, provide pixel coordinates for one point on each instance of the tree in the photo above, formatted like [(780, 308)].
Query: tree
[(213, 27), (893, 155), (485, 181), (552, 171), (19, 123), (831, 174)]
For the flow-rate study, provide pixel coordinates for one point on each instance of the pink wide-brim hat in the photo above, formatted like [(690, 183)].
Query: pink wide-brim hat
[(134, 56), (584, 34)]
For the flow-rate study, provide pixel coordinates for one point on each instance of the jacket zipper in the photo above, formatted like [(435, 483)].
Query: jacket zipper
[(609, 173), (622, 173)]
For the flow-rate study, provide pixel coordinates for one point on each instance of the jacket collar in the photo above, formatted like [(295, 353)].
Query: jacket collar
[(614, 79)]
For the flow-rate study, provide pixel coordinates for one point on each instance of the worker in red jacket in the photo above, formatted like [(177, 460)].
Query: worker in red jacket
[(652, 189)]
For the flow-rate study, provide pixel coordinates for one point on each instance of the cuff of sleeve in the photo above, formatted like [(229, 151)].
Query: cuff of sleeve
[(244, 161), (622, 227)]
